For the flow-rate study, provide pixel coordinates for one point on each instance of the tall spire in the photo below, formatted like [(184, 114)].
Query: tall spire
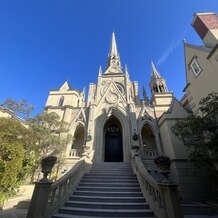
[(113, 56), (154, 72), (113, 48)]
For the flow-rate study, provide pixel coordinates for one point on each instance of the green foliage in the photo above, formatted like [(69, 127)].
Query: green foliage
[(22, 147), (11, 156), (49, 134), (200, 134), (20, 108)]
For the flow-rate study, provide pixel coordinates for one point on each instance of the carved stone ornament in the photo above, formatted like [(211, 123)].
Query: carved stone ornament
[(112, 98), (113, 69)]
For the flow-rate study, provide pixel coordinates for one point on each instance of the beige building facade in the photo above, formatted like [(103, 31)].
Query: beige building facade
[(201, 62)]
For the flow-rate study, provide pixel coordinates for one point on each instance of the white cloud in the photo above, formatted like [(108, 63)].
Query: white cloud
[(171, 48)]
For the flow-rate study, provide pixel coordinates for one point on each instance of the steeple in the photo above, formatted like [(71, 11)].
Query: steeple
[(113, 48), (145, 95), (113, 56), (154, 72), (157, 83)]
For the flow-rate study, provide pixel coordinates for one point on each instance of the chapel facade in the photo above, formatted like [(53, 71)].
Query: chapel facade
[(113, 120)]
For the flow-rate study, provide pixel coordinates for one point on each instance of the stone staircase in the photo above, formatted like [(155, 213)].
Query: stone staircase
[(108, 190)]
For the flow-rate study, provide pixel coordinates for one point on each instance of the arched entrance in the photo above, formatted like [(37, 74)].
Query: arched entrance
[(148, 138), (113, 140), (78, 142)]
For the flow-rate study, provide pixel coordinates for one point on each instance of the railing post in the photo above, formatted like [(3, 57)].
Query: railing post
[(39, 200), (171, 201)]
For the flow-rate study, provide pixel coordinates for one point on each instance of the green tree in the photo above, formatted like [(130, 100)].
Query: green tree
[(200, 134), (11, 156), (49, 133), (49, 136), (22, 147), (20, 108)]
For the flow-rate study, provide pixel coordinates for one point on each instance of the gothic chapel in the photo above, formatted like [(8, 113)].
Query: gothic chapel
[(114, 120)]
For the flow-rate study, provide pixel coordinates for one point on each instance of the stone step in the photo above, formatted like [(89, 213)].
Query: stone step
[(114, 184), (108, 189), (197, 208), (111, 172), (110, 177), (77, 216), (111, 194), (94, 180), (107, 205), (114, 199), (107, 212)]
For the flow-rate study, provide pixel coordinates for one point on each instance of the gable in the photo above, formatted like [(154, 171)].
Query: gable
[(65, 86), (177, 110)]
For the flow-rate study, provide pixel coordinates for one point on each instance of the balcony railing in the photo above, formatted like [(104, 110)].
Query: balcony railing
[(75, 153), (149, 153)]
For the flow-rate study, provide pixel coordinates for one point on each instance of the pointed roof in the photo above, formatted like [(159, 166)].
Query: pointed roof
[(154, 72), (65, 86), (113, 48)]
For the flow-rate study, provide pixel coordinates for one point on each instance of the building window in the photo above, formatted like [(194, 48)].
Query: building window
[(195, 67), (61, 101)]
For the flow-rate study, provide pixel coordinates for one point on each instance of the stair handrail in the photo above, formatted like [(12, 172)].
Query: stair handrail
[(162, 198), (49, 196)]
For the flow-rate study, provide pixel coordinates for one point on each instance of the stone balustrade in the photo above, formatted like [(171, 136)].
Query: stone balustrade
[(75, 152), (149, 153), (48, 196), (162, 198)]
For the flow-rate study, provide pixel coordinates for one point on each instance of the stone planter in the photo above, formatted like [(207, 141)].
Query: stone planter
[(47, 164)]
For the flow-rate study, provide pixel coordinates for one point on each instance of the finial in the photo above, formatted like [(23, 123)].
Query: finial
[(145, 95), (184, 41), (126, 70), (113, 48), (100, 71), (84, 90), (68, 77)]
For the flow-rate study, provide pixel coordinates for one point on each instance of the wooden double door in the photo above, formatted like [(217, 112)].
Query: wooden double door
[(113, 145)]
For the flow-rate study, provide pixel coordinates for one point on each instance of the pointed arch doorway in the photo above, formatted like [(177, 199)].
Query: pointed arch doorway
[(113, 143)]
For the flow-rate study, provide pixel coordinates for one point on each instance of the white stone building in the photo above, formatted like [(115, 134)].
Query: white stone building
[(113, 120)]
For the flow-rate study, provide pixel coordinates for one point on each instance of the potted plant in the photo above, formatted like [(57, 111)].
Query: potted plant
[(163, 163)]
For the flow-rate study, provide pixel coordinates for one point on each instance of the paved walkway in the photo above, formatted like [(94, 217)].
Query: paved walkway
[(9, 210)]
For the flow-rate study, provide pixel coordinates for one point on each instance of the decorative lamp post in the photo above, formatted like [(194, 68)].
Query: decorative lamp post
[(135, 136), (88, 137), (47, 164)]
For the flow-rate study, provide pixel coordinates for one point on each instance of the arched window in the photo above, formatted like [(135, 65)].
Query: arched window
[(61, 101), (161, 87), (79, 137), (155, 89), (148, 138)]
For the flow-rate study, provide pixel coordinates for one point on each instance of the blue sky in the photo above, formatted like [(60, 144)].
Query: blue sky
[(45, 42)]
